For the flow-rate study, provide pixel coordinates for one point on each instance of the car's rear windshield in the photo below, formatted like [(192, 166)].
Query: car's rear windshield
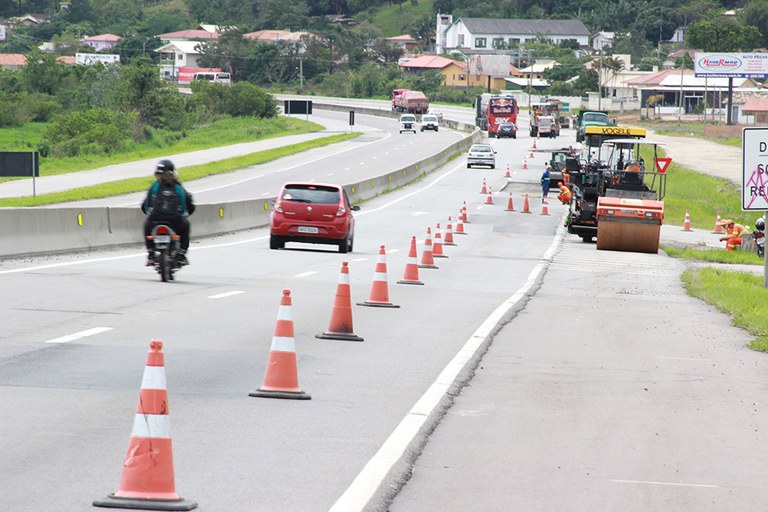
[(481, 149), (429, 118), (317, 194), (408, 118)]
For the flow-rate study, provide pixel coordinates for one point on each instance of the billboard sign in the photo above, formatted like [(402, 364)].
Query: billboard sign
[(754, 147), (731, 65), (94, 58), (490, 65)]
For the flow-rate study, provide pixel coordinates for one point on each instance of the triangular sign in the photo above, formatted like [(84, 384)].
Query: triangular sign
[(662, 164)]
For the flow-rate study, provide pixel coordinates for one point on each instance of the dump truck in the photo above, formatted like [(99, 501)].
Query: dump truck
[(590, 118), (545, 119), (615, 197), (406, 100)]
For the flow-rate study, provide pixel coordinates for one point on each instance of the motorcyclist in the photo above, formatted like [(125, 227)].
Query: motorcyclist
[(173, 211)]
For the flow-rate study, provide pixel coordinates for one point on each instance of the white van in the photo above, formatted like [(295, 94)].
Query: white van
[(220, 77)]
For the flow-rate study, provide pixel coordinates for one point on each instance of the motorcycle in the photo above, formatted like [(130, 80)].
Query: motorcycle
[(759, 236), (165, 246)]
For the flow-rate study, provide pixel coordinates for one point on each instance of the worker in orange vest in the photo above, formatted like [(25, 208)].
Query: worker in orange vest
[(565, 193), (734, 234)]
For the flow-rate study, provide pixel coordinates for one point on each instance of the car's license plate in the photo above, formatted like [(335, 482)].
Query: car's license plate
[(163, 239), (308, 229)]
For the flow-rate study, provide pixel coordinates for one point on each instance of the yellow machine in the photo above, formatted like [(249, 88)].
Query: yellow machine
[(616, 197)]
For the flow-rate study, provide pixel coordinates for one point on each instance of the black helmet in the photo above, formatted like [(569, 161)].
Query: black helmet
[(760, 224), (165, 165)]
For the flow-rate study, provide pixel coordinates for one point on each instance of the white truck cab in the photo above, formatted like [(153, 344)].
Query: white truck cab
[(408, 123)]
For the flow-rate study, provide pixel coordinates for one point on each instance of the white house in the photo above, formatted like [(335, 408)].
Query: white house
[(175, 55), (102, 41), (602, 39), (490, 33)]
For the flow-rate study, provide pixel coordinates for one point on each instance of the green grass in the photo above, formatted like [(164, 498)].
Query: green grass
[(714, 255), (393, 20), (740, 295), (220, 133), (194, 172), (686, 129)]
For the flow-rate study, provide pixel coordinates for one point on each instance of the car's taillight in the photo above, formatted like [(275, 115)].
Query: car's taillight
[(341, 211), (278, 206)]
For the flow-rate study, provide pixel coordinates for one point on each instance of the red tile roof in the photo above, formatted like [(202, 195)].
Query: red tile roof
[(13, 59), (656, 78), (104, 37), (430, 62), (756, 105), (190, 34)]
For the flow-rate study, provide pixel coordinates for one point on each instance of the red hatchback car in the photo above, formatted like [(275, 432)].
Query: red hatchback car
[(315, 213)]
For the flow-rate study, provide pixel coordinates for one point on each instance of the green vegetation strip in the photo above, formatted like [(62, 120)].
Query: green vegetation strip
[(130, 185), (740, 295), (714, 255)]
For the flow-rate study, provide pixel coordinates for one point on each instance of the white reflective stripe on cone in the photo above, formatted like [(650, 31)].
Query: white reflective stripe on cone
[(151, 425), (283, 344), (154, 378)]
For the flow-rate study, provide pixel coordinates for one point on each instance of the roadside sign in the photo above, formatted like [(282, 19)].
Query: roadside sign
[(662, 164), (565, 107), (754, 150)]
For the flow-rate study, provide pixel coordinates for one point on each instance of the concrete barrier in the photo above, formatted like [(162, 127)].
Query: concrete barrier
[(28, 231)]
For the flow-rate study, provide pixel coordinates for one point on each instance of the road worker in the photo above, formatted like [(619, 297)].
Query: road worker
[(734, 233), (565, 193)]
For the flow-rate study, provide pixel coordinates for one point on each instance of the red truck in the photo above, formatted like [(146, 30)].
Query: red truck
[(405, 100)]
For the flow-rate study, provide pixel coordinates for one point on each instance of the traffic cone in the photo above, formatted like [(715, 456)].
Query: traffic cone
[(340, 327), (525, 164), (526, 206), (437, 246), (507, 174), (531, 156), (147, 481), (465, 219), (510, 206), (484, 190), (281, 378), (687, 222), (411, 274), (538, 135), (449, 233), (718, 227), (459, 227), (544, 209), (380, 288), (534, 144), (489, 197), (428, 257)]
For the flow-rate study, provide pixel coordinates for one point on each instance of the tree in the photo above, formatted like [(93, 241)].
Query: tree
[(722, 35), (755, 13), (228, 52)]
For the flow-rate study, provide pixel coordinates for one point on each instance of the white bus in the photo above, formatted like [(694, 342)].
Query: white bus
[(219, 77)]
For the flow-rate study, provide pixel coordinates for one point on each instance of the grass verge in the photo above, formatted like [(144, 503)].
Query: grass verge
[(738, 294), (713, 255), (127, 186)]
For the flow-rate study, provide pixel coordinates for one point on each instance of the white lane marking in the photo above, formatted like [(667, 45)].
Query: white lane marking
[(676, 484), (416, 214), (348, 169), (363, 487), (225, 294), (392, 251), (81, 334), (305, 274), (360, 259)]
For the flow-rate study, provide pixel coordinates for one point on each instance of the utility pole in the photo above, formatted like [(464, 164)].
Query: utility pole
[(301, 72), (600, 81)]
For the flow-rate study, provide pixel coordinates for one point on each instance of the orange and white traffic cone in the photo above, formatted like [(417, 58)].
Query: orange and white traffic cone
[(459, 227), (281, 378), (484, 190), (465, 216), (489, 197), (531, 155), (538, 135), (544, 209), (147, 481), (507, 174), (718, 227), (340, 327), (437, 246), (449, 233), (411, 274), (428, 256), (380, 287), (510, 206), (534, 143), (687, 221), (525, 164), (526, 206)]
